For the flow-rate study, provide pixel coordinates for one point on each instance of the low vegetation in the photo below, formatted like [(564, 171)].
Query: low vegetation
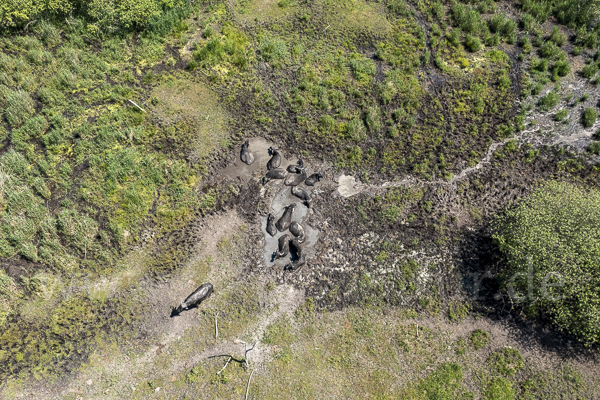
[(115, 115)]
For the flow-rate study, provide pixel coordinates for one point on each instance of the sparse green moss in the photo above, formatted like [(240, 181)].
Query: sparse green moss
[(500, 389), (457, 311), (506, 361), (479, 338), (445, 383)]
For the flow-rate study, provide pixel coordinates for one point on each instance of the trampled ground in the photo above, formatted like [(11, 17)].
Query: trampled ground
[(112, 215)]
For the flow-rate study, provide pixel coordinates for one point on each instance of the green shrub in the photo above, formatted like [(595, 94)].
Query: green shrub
[(272, 49), (564, 240), (466, 18), (472, 43), (509, 30), (498, 56), (538, 9), (549, 50), (528, 22), (208, 32), (355, 130), (493, 40), (362, 68), (104, 13), (445, 383), (326, 123), (588, 118), (560, 115), (496, 23), (373, 119), (562, 67), (230, 47), (549, 101), (590, 70), (504, 82), (454, 37), (398, 7), (392, 132), (557, 37), (594, 148), (541, 65), (438, 10)]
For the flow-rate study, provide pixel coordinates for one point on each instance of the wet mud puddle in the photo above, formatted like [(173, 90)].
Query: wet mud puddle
[(281, 196)]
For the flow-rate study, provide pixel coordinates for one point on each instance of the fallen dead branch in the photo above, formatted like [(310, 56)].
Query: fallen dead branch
[(226, 364), (133, 102), (216, 325), (248, 386)]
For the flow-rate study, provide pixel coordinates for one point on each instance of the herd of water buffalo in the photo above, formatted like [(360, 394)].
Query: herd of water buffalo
[(293, 176)]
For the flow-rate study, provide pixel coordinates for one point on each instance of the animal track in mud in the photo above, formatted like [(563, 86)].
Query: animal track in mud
[(348, 186)]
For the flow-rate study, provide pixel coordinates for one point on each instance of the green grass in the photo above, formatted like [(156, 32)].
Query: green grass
[(85, 173), (279, 333), (506, 361), (500, 389), (367, 352), (479, 339), (77, 144), (442, 384), (8, 291)]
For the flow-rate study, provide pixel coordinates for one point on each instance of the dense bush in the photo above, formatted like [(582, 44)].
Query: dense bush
[(577, 14), (102, 13), (556, 231), (466, 18)]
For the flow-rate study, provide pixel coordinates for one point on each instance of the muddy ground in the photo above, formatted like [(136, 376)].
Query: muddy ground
[(344, 269), (392, 244)]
